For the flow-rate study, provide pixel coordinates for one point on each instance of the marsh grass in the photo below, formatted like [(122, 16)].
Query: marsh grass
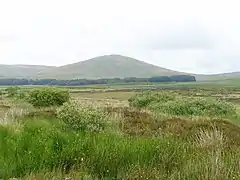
[(42, 146), (11, 115), (138, 144), (58, 175), (38, 150)]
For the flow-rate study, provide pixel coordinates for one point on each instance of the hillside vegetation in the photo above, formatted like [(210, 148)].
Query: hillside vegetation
[(79, 82)]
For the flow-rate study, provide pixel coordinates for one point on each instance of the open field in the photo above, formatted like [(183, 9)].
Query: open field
[(216, 84), (118, 133)]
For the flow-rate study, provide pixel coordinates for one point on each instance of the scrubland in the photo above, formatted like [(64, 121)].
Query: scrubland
[(49, 133)]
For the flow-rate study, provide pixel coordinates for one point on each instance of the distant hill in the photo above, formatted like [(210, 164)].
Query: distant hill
[(108, 66), (21, 71), (217, 77)]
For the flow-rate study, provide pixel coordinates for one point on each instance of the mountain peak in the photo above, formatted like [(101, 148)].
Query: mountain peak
[(106, 66)]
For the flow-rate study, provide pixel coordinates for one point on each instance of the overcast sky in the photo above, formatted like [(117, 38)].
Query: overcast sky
[(188, 35)]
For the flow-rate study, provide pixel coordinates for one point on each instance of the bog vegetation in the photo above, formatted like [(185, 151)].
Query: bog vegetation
[(47, 97), (79, 117), (77, 82), (182, 105), (161, 135)]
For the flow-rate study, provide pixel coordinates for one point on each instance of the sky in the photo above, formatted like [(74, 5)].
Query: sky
[(187, 35)]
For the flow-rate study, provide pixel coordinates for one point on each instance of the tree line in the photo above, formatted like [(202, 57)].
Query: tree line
[(79, 82)]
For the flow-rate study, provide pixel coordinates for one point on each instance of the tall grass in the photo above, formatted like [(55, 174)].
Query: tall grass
[(137, 144), (42, 146)]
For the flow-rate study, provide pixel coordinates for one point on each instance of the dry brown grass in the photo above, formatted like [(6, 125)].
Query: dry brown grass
[(144, 123), (104, 95), (46, 113), (100, 102)]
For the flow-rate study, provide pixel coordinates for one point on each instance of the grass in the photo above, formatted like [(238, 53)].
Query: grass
[(228, 84), (237, 119), (105, 95), (137, 144), (40, 146)]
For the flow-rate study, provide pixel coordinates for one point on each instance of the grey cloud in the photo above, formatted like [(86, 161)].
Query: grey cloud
[(180, 38), (7, 38), (183, 41), (186, 36)]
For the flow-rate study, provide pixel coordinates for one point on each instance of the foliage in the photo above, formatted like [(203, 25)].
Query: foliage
[(41, 145), (75, 82), (1, 94), (144, 99), (175, 78), (142, 144), (181, 105), (16, 92), (82, 118), (12, 91), (195, 107), (46, 97)]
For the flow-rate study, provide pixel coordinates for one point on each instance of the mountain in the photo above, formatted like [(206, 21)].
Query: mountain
[(108, 66), (217, 77), (21, 71)]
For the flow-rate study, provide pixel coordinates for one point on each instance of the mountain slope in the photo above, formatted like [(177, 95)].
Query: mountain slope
[(108, 66), (21, 71), (217, 77)]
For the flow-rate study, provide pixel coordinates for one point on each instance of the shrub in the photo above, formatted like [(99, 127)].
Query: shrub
[(144, 99), (46, 97), (182, 105), (12, 91), (195, 107), (82, 118)]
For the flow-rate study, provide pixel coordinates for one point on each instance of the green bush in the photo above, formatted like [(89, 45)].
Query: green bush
[(195, 107), (1, 94), (82, 118), (46, 97), (22, 94), (144, 99), (12, 91), (15, 92), (182, 105)]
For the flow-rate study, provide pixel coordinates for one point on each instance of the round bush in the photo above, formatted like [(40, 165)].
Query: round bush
[(82, 118), (46, 97)]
